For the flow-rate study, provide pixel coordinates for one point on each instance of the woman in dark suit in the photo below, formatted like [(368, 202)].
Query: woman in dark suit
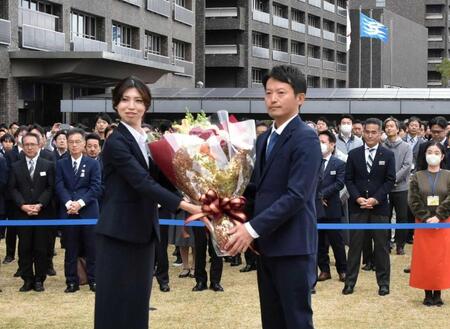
[(128, 226), (429, 200)]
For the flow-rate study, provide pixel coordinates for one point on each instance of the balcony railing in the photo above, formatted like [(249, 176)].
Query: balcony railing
[(156, 58), (435, 38), (315, 3), (341, 38), (434, 60), (434, 16), (85, 44), (298, 59), (5, 32), (329, 6), (161, 7), (280, 56), (329, 35), (280, 21), (341, 11), (328, 65), (434, 83), (128, 52), (261, 16), (184, 15), (221, 12), (134, 2), (314, 61), (260, 52), (299, 27), (221, 49), (341, 67), (37, 19), (314, 31), (188, 66), (42, 39)]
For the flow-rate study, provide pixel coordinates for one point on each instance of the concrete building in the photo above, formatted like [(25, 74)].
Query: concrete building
[(437, 17), (243, 39), (63, 49), (402, 61)]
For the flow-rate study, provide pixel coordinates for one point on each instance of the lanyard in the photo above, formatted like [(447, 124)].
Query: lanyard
[(433, 182)]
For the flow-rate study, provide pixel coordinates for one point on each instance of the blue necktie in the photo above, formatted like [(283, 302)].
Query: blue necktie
[(272, 141), (75, 169)]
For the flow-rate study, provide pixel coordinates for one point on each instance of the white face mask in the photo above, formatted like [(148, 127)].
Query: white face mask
[(324, 148), (346, 129), (433, 159)]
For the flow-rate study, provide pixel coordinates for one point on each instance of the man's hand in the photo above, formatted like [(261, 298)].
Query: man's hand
[(55, 128), (28, 209), (362, 202), (239, 239), (371, 202), (432, 220), (74, 208), (36, 208)]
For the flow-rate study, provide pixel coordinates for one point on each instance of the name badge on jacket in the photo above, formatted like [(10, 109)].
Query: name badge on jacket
[(433, 200), (42, 173), (333, 173), (382, 163)]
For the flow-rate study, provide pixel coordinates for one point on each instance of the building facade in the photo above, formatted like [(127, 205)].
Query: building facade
[(63, 49), (243, 39)]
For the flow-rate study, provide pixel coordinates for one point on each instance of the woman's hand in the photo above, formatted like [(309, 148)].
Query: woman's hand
[(432, 220)]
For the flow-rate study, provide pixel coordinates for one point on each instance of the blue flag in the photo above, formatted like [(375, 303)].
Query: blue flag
[(370, 28)]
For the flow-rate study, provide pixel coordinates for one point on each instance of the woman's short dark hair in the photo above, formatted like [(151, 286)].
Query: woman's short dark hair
[(7, 138), (422, 162), (287, 74), (127, 83)]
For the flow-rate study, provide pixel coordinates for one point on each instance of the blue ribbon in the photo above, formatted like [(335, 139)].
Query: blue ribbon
[(179, 222)]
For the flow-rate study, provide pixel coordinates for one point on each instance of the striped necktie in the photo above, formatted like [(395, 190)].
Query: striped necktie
[(75, 169), (31, 168), (370, 158)]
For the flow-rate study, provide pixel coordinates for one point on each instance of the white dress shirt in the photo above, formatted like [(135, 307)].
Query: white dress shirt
[(141, 139), (366, 152), (80, 201)]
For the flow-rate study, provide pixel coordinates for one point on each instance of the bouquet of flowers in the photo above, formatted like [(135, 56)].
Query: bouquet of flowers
[(212, 165)]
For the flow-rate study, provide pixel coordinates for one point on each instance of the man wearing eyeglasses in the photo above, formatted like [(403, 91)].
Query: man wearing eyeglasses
[(438, 127), (31, 184)]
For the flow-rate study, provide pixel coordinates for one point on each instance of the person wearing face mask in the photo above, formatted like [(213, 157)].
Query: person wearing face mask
[(429, 199), (346, 140), (329, 208)]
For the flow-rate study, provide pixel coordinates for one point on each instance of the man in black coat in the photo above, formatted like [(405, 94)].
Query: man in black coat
[(369, 177), (31, 184)]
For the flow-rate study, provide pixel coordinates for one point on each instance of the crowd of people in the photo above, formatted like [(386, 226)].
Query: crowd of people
[(372, 172)]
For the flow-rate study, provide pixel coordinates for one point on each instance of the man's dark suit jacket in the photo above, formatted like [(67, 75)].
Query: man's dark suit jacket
[(333, 179), (4, 171), (415, 150), (86, 185), (377, 184), (285, 192), (40, 189), (130, 204)]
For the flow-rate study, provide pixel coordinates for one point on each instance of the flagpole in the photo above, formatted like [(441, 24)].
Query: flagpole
[(392, 50), (381, 55), (359, 53)]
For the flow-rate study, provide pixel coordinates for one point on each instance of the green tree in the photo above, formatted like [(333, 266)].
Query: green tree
[(444, 70)]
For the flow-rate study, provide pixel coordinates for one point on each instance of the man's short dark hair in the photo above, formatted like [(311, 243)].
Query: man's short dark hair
[(412, 119), (59, 133), (93, 136), (7, 138), (261, 124), (323, 119), (357, 121), (28, 134), (104, 117), (12, 124), (75, 131), (346, 116), (287, 74), (439, 120), (373, 121), (38, 128), (397, 123), (19, 130), (331, 136)]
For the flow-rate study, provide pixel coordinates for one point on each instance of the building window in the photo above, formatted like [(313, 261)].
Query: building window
[(298, 48), (298, 16), (260, 5), (328, 54), (313, 82), (279, 44), (41, 6), (342, 3), (83, 25), (153, 43), (257, 39), (181, 50), (341, 57), (314, 21), (327, 83), (122, 35), (340, 83), (328, 25), (279, 10), (314, 51), (257, 75)]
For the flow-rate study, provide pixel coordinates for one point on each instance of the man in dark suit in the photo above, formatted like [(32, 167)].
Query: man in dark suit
[(369, 177), (43, 153), (3, 190), (78, 185), (31, 183), (331, 183), (414, 139), (438, 127), (285, 179)]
